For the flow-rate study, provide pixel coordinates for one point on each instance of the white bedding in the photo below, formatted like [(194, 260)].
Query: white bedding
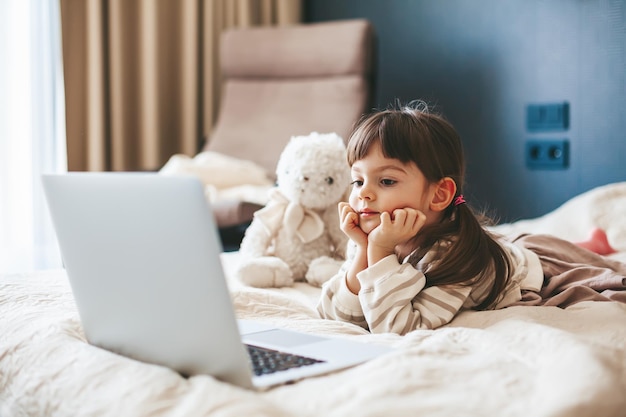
[(520, 361)]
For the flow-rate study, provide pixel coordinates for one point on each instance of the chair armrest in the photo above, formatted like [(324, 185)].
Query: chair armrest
[(233, 212)]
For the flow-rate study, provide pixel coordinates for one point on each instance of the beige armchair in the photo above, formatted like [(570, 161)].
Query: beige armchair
[(280, 82)]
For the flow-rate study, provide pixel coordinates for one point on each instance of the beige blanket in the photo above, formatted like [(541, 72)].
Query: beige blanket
[(520, 361)]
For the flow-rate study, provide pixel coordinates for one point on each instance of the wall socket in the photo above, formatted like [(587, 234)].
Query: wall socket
[(547, 154), (547, 117)]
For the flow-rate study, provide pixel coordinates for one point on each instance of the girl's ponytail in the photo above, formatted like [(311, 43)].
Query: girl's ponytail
[(467, 251)]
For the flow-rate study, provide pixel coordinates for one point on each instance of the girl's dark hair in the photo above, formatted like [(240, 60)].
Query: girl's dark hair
[(469, 253)]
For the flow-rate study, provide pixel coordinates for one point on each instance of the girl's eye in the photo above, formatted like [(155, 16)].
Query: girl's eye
[(357, 183), (387, 182)]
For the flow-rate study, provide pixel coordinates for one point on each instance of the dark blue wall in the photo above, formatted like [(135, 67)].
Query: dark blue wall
[(482, 61)]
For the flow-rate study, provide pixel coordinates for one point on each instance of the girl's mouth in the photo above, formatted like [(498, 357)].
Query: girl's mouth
[(368, 213)]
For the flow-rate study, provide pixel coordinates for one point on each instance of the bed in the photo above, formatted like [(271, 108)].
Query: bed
[(519, 361)]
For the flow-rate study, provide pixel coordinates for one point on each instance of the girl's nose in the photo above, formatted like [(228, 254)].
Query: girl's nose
[(365, 192)]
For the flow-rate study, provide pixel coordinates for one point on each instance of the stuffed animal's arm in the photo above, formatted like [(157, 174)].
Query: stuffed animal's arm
[(256, 240)]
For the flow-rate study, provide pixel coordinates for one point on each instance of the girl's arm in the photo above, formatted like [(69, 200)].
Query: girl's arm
[(349, 224), (337, 302), (393, 298), (359, 263)]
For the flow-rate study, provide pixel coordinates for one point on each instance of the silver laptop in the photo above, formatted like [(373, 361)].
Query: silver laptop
[(142, 254)]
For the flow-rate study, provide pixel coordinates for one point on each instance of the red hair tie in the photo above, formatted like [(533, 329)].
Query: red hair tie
[(459, 200)]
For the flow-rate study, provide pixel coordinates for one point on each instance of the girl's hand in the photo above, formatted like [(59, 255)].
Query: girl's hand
[(394, 229), (349, 224)]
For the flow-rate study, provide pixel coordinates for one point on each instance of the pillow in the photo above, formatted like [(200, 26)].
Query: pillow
[(602, 207), (218, 170)]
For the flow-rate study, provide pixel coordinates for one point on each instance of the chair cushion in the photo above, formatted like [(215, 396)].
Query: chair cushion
[(302, 51), (233, 212), (258, 118)]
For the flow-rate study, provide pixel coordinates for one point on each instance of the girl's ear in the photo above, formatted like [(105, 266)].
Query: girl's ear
[(444, 193)]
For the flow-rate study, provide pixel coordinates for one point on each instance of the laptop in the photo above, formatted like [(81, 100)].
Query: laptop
[(142, 254)]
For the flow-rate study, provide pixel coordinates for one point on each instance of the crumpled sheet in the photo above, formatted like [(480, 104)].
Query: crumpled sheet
[(519, 361)]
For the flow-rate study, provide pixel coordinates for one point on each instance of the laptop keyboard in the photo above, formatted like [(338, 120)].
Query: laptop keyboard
[(267, 361)]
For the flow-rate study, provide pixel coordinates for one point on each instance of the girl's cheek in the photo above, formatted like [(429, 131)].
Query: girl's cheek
[(353, 198)]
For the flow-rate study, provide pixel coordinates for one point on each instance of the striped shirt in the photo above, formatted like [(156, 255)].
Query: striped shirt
[(394, 298)]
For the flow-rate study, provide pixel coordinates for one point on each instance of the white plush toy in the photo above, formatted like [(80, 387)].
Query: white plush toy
[(296, 236)]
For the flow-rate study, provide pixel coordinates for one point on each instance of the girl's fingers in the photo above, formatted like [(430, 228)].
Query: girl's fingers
[(420, 220), (385, 219), (415, 219), (346, 213), (399, 216), (341, 207), (408, 219)]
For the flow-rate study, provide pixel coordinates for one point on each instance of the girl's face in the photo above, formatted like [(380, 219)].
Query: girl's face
[(381, 184)]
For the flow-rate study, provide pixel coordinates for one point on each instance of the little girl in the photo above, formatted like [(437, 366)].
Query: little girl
[(419, 255)]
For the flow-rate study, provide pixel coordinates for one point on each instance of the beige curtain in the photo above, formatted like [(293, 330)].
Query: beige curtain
[(142, 76)]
